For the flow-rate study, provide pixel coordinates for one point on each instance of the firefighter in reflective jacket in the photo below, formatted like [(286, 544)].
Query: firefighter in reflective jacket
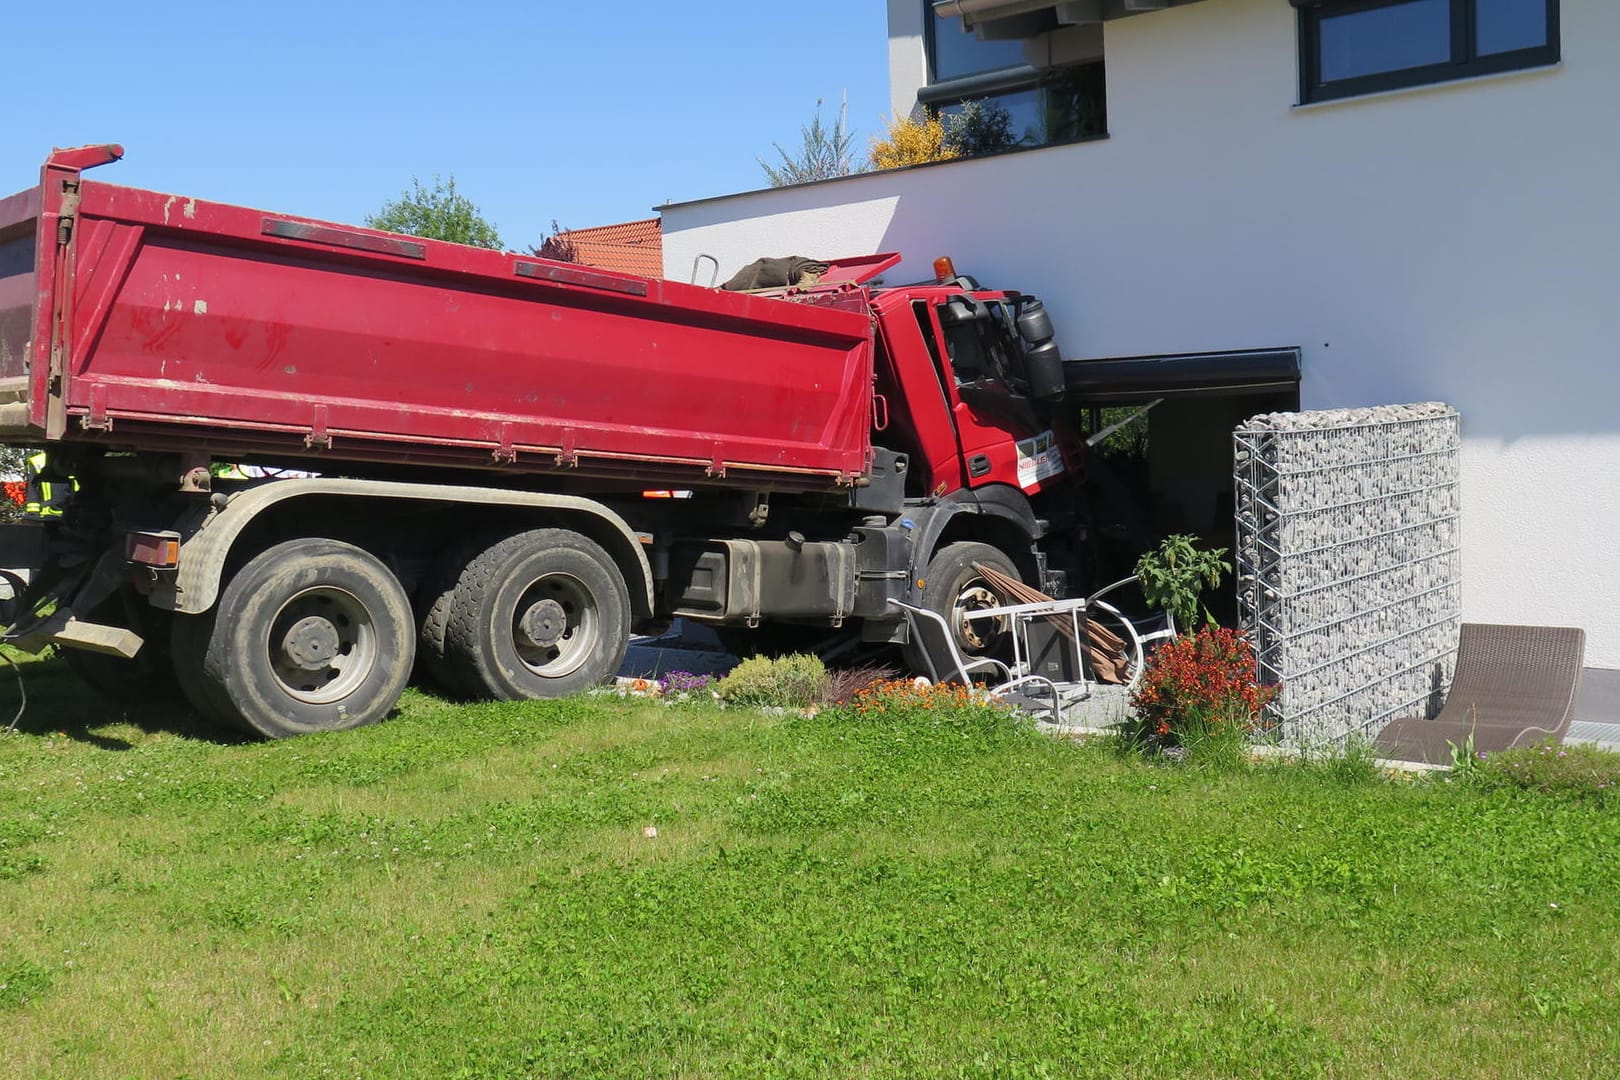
[(46, 499), (226, 470)]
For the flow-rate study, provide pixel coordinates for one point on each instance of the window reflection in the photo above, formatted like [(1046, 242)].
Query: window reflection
[(1066, 106), (1352, 47), (1409, 35), (1505, 25), (958, 52), (993, 99)]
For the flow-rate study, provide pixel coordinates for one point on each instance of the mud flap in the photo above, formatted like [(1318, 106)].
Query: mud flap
[(98, 637)]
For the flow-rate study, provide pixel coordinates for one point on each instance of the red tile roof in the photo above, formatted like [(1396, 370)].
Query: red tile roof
[(635, 247)]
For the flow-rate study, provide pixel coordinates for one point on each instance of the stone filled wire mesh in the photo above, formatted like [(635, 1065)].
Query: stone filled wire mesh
[(1349, 565)]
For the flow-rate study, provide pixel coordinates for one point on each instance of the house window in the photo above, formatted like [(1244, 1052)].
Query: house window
[(1351, 47), (998, 100), (957, 53)]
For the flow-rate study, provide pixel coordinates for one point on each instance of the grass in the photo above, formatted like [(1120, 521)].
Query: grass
[(473, 892), (1551, 767)]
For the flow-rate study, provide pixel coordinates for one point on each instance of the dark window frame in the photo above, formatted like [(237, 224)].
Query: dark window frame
[(1465, 63), (932, 27), (940, 94)]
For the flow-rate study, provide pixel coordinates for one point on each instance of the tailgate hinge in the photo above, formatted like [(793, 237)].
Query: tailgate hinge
[(69, 211), (97, 418), (505, 454), (62, 311), (567, 458), (319, 438)]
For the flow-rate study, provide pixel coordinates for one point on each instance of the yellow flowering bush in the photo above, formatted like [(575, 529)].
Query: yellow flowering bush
[(911, 141)]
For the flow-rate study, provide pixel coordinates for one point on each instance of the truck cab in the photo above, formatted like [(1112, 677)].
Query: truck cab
[(971, 376)]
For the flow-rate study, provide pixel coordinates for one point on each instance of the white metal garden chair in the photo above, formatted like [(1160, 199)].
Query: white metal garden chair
[(936, 643), (1142, 633)]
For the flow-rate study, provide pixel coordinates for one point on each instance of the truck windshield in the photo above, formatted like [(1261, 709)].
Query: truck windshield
[(984, 347)]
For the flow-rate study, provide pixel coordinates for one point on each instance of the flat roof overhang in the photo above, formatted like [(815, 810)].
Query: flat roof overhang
[(993, 19), (1140, 379)]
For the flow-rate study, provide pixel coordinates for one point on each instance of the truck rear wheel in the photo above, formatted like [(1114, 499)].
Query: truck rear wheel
[(188, 644), (434, 598), (311, 635), (541, 614), (952, 587)]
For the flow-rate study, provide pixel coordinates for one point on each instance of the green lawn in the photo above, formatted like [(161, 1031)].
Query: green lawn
[(472, 892)]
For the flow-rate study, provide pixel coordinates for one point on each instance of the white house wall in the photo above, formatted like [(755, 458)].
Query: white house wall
[(908, 56), (1454, 243)]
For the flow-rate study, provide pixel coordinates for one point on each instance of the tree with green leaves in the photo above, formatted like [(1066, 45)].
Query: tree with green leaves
[(1175, 575), (439, 212), (980, 127), (823, 153)]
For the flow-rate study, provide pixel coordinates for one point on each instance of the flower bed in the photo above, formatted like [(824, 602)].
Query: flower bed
[(1199, 689)]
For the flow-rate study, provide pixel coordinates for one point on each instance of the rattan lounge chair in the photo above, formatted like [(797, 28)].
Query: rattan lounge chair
[(1515, 686)]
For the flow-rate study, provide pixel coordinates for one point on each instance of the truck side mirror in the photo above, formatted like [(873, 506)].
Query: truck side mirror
[(1034, 324), (1043, 363)]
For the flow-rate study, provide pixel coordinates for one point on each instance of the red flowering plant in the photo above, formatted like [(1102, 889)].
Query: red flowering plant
[(1199, 692)]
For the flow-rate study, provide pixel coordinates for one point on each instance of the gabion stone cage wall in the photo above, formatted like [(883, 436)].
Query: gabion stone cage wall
[(1349, 564)]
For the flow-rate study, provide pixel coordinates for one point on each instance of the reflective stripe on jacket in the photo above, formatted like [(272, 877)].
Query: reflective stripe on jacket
[(45, 498)]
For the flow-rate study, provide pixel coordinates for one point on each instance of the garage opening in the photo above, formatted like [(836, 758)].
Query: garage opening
[(1161, 462)]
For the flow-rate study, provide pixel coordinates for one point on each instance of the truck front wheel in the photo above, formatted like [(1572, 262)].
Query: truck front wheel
[(311, 635), (541, 614), (952, 587)]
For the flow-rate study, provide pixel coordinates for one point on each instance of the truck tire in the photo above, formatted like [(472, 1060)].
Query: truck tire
[(950, 586), (311, 635), (433, 606), (148, 677), (188, 644), (541, 614)]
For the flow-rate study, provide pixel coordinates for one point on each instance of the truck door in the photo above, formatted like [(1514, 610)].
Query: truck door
[(1002, 437)]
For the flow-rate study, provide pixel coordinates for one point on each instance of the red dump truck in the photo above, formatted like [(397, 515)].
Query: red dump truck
[(481, 440)]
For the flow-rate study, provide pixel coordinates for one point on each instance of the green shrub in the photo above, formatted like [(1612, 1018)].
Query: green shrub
[(980, 127), (1175, 574), (1578, 769), (785, 681)]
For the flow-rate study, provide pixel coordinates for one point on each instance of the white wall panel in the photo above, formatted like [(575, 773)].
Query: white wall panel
[(1457, 243)]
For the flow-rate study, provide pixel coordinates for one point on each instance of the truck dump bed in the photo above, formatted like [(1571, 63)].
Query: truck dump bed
[(148, 321)]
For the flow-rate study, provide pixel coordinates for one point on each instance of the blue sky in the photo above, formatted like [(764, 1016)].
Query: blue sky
[(589, 113)]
